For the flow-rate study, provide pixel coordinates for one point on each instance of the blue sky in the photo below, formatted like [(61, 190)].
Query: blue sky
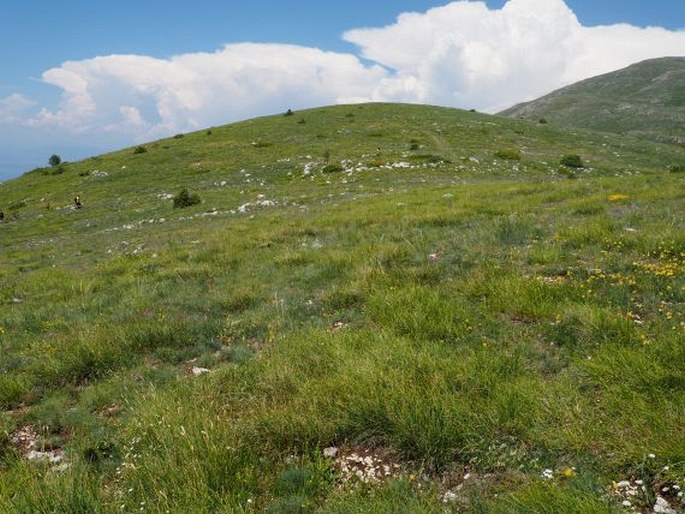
[(96, 105)]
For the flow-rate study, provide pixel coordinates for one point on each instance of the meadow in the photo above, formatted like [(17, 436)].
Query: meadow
[(373, 308)]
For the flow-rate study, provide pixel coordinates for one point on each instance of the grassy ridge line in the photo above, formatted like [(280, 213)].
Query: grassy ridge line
[(443, 314)]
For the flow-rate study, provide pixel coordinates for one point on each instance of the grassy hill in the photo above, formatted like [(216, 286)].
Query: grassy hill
[(646, 100), (374, 308)]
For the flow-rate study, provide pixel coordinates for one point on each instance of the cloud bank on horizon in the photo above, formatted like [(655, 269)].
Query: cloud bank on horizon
[(462, 54)]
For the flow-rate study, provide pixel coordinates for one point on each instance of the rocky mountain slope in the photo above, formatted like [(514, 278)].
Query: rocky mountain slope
[(646, 99)]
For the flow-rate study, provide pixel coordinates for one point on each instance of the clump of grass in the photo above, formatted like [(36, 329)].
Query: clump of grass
[(510, 154), (17, 205), (334, 167), (429, 158)]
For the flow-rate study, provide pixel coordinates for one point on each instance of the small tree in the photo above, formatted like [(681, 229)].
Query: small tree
[(54, 160), (572, 161), (185, 199)]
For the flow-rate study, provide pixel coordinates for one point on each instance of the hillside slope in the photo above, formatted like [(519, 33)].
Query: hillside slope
[(646, 99), (373, 308)]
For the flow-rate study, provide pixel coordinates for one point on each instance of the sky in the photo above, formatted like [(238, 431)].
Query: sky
[(82, 77)]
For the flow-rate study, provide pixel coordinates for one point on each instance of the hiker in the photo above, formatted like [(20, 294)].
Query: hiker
[(77, 202)]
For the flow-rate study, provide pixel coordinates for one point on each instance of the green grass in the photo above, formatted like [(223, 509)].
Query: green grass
[(451, 310)]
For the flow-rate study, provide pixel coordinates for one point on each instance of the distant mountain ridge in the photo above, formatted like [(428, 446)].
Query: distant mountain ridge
[(646, 99)]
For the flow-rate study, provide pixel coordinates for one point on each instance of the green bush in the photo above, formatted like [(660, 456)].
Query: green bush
[(54, 160), (139, 149), (185, 199), (332, 168), (677, 168), (572, 161)]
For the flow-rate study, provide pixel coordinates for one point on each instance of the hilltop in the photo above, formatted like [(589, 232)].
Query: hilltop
[(370, 308), (646, 99)]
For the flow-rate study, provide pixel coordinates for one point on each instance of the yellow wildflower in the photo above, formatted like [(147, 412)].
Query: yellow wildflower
[(568, 472)]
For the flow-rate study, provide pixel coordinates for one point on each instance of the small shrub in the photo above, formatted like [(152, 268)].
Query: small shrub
[(301, 121), (414, 144), (289, 112), (677, 168), (294, 480), (542, 121), (510, 154), (178, 136), (572, 161), (139, 149), (261, 144), (54, 160), (289, 505), (332, 168), (185, 199)]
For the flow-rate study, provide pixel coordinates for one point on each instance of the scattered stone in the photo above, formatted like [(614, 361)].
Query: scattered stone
[(449, 497), (52, 456), (663, 507), (26, 441), (363, 466), (197, 371), (330, 452), (338, 325)]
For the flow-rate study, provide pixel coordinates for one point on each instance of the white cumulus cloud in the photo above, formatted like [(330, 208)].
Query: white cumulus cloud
[(154, 97), (467, 55), (462, 54), (13, 107)]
